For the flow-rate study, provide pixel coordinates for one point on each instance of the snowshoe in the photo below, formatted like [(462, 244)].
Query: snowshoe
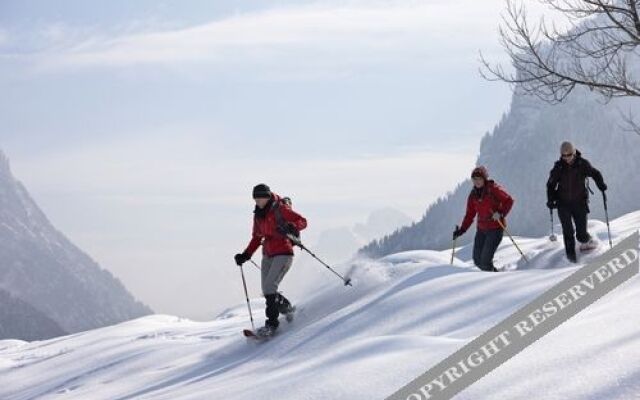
[(263, 333), (588, 246), (290, 313), (266, 331)]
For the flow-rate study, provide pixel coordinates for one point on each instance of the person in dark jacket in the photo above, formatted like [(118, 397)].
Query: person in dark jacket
[(491, 203), (273, 221), (567, 190)]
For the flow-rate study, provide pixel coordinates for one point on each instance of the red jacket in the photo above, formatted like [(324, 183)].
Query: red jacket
[(265, 229), (491, 198)]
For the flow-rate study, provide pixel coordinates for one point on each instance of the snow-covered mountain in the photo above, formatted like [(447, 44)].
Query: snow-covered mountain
[(519, 154), (41, 267), (405, 313), (380, 222), (342, 242)]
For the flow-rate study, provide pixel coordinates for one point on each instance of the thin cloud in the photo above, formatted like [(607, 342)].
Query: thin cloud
[(4, 38), (312, 37), (169, 172)]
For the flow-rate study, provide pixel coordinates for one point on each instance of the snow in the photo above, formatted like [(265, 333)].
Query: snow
[(405, 313)]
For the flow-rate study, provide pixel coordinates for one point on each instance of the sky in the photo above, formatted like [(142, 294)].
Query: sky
[(141, 127)]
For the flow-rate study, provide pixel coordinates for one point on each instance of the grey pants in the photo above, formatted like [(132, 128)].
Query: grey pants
[(273, 270)]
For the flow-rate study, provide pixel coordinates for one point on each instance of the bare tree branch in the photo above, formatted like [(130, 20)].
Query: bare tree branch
[(631, 124), (600, 50)]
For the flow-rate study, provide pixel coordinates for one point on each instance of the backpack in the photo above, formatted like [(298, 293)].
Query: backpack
[(280, 222)]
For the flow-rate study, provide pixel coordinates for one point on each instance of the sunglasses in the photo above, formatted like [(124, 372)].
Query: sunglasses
[(567, 155)]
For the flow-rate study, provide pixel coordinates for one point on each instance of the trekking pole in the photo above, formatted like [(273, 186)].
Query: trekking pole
[(514, 242), (296, 241), (552, 237), (254, 264), (246, 296), (606, 213), (453, 247)]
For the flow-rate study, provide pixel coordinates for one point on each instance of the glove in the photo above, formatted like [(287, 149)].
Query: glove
[(289, 229), (552, 204), (241, 258), (603, 188), (457, 233), (496, 216)]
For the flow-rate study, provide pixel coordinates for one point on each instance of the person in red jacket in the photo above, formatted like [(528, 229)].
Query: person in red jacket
[(273, 221), (491, 203)]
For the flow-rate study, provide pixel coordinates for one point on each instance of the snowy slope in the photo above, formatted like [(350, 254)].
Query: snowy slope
[(406, 312)]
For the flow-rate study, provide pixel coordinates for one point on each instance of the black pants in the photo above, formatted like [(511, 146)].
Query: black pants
[(276, 304), (570, 214), (485, 246)]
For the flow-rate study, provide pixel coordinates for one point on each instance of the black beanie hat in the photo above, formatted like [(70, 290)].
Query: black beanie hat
[(261, 191)]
